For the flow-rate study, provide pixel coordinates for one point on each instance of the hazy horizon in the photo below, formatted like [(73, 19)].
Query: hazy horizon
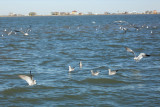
[(45, 7)]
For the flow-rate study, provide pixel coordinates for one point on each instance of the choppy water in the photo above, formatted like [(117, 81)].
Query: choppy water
[(54, 43)]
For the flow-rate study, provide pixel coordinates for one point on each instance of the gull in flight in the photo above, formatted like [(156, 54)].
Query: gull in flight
[(71, 69), (24, 33), (10, 33), (80, 64), (112, 72), (95, 73), (137, 58), (29, 79)]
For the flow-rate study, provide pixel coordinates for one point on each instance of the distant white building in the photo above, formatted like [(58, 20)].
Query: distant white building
[(12, 14), (74, 12)]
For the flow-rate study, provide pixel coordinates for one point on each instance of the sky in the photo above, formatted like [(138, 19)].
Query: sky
[(45, 7)]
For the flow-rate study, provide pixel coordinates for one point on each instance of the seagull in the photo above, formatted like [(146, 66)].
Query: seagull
[(147, 27), (10, 33), (71, 69), (137, 58), (29, 79), (93, 22), (112, 72), (125, 30), (95, 73), (24, 33), (80, 64)]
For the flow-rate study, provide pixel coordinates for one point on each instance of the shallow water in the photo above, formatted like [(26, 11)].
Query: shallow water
[(56, 42)]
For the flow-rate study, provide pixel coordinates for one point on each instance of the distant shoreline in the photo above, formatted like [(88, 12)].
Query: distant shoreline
[(76, 15)]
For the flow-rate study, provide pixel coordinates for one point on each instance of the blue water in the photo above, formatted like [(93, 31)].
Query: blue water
[(56, 42)]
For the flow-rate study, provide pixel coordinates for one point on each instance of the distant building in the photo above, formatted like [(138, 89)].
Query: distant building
[(133, 12), (106, 13), (32, 14), (74, 12), (62, 13), (154, 11), (90, 13), (148, 12), (55, 13), (67, 13), (125, 12), (80, 14), (12, 14)]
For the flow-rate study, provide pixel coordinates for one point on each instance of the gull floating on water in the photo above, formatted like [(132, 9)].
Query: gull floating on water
[(95, 73), (112, 72), (137, 58), (71, 69), (25, 33), (80, 64), (29, 79), (93, 22)]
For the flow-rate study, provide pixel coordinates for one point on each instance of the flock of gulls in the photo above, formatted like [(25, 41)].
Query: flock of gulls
[(29, 78), (30, 81), (8, 32), (122, 26)]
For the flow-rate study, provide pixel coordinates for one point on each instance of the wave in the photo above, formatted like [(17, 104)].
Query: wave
[(101, 81)]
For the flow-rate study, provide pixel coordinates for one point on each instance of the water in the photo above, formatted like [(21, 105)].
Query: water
[(56, 42)]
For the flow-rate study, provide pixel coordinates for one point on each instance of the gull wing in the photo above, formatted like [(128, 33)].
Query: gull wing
[(22, 32), (141, 55), (17, 31), (130, 50), (26, 78)]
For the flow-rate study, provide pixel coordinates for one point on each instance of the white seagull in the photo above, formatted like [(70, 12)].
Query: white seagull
[(137, 58), (112, 72), (25, 33), (29, 79), (80, 64), (95, 73), (71, 69)]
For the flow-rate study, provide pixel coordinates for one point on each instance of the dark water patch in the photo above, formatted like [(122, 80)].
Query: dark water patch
[(13, 91), (101, 81)]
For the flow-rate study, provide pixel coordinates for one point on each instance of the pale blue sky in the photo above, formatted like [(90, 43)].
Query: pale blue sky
[(45, 7)]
